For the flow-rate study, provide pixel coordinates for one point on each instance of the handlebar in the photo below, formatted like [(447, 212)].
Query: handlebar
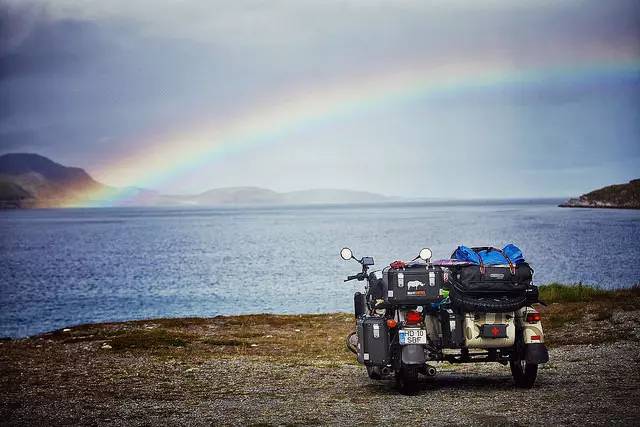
[(359, 276)]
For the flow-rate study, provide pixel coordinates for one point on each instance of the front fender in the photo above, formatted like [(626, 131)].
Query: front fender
[(413, 354)]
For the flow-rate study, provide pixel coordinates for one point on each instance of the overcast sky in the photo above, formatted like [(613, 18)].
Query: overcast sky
[(87, 83)]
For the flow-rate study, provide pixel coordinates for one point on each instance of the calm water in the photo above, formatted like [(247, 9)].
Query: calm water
[(65, 267)]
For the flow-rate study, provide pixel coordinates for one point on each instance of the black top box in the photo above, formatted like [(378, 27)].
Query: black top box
[(413, 285)]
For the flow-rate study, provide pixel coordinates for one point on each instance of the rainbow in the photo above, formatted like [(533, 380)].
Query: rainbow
[(206, 140)]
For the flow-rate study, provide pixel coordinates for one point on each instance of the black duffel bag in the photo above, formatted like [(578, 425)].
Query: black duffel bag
[(490, 288), (483, 279)]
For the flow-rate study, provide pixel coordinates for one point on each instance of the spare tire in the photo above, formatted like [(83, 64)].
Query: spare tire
[(486, 304)]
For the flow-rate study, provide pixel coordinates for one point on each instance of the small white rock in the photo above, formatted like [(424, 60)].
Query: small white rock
[(66, 330), (297, 330), (106, 346), (254, 345)]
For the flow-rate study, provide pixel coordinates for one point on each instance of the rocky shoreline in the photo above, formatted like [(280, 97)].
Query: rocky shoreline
[(593, 204), (294, 370), (619, 196)]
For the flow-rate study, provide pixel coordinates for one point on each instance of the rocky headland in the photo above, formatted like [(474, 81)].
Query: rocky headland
[(618, 196)]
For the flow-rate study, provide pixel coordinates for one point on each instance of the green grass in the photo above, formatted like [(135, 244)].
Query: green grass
[(319, 339), (572, 304), (224, 342), (149, 339), (557, 292)]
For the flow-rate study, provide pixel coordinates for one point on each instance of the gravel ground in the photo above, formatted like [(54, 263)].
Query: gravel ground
[(49, 380)]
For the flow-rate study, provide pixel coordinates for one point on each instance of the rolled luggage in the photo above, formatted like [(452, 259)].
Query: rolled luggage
[(489, 280)]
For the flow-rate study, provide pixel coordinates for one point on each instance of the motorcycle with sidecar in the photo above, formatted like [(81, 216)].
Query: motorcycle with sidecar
[(414, 315)]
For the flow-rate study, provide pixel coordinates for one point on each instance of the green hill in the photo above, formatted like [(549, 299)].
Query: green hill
[(31, 180), (13, 196), (623, 196)]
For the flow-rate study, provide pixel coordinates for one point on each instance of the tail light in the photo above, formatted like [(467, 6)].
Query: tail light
[(413, 317), (533, 317), (535, 337), (391, 323)]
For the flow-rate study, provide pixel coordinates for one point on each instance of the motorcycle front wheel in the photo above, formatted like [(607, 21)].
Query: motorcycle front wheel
[(524, 374)]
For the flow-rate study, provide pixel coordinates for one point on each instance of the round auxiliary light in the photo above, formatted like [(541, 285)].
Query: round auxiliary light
[(425, 254), (346, 253)]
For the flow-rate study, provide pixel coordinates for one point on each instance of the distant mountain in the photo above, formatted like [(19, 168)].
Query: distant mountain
[(332, 196), (31, 180), (42, 181), (262, 196), (235, 196), (622, 196)]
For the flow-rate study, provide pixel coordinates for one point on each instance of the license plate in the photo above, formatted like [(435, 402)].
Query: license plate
[(493, 331), (412, 336)]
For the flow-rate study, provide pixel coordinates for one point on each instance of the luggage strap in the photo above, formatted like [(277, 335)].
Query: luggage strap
[(512, 267)]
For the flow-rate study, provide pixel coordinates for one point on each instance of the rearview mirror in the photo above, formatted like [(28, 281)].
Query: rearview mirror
[(425, 254), (346, 254)]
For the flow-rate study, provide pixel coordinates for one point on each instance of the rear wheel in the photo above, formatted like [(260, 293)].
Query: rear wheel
[(407, 379), (524, 374)]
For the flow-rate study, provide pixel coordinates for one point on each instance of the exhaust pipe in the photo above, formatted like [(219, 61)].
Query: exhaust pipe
[(431, 371)]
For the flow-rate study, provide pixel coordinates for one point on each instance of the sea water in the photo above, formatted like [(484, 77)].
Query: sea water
[(61, 267)]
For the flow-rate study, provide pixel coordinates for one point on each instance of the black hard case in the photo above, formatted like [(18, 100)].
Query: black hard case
[(373, 341), (415, 285)]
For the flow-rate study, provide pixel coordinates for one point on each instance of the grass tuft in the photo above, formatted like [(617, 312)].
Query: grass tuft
[(148, 339), (224, 342), (556, 292)]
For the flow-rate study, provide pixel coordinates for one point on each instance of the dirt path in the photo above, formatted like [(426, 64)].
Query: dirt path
[(206, 371)]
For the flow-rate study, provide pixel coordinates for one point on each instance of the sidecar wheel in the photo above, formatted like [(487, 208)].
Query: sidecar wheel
[(524, 374), (407, 379)]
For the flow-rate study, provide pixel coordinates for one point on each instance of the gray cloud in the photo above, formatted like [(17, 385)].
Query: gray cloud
[(84, 81)]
